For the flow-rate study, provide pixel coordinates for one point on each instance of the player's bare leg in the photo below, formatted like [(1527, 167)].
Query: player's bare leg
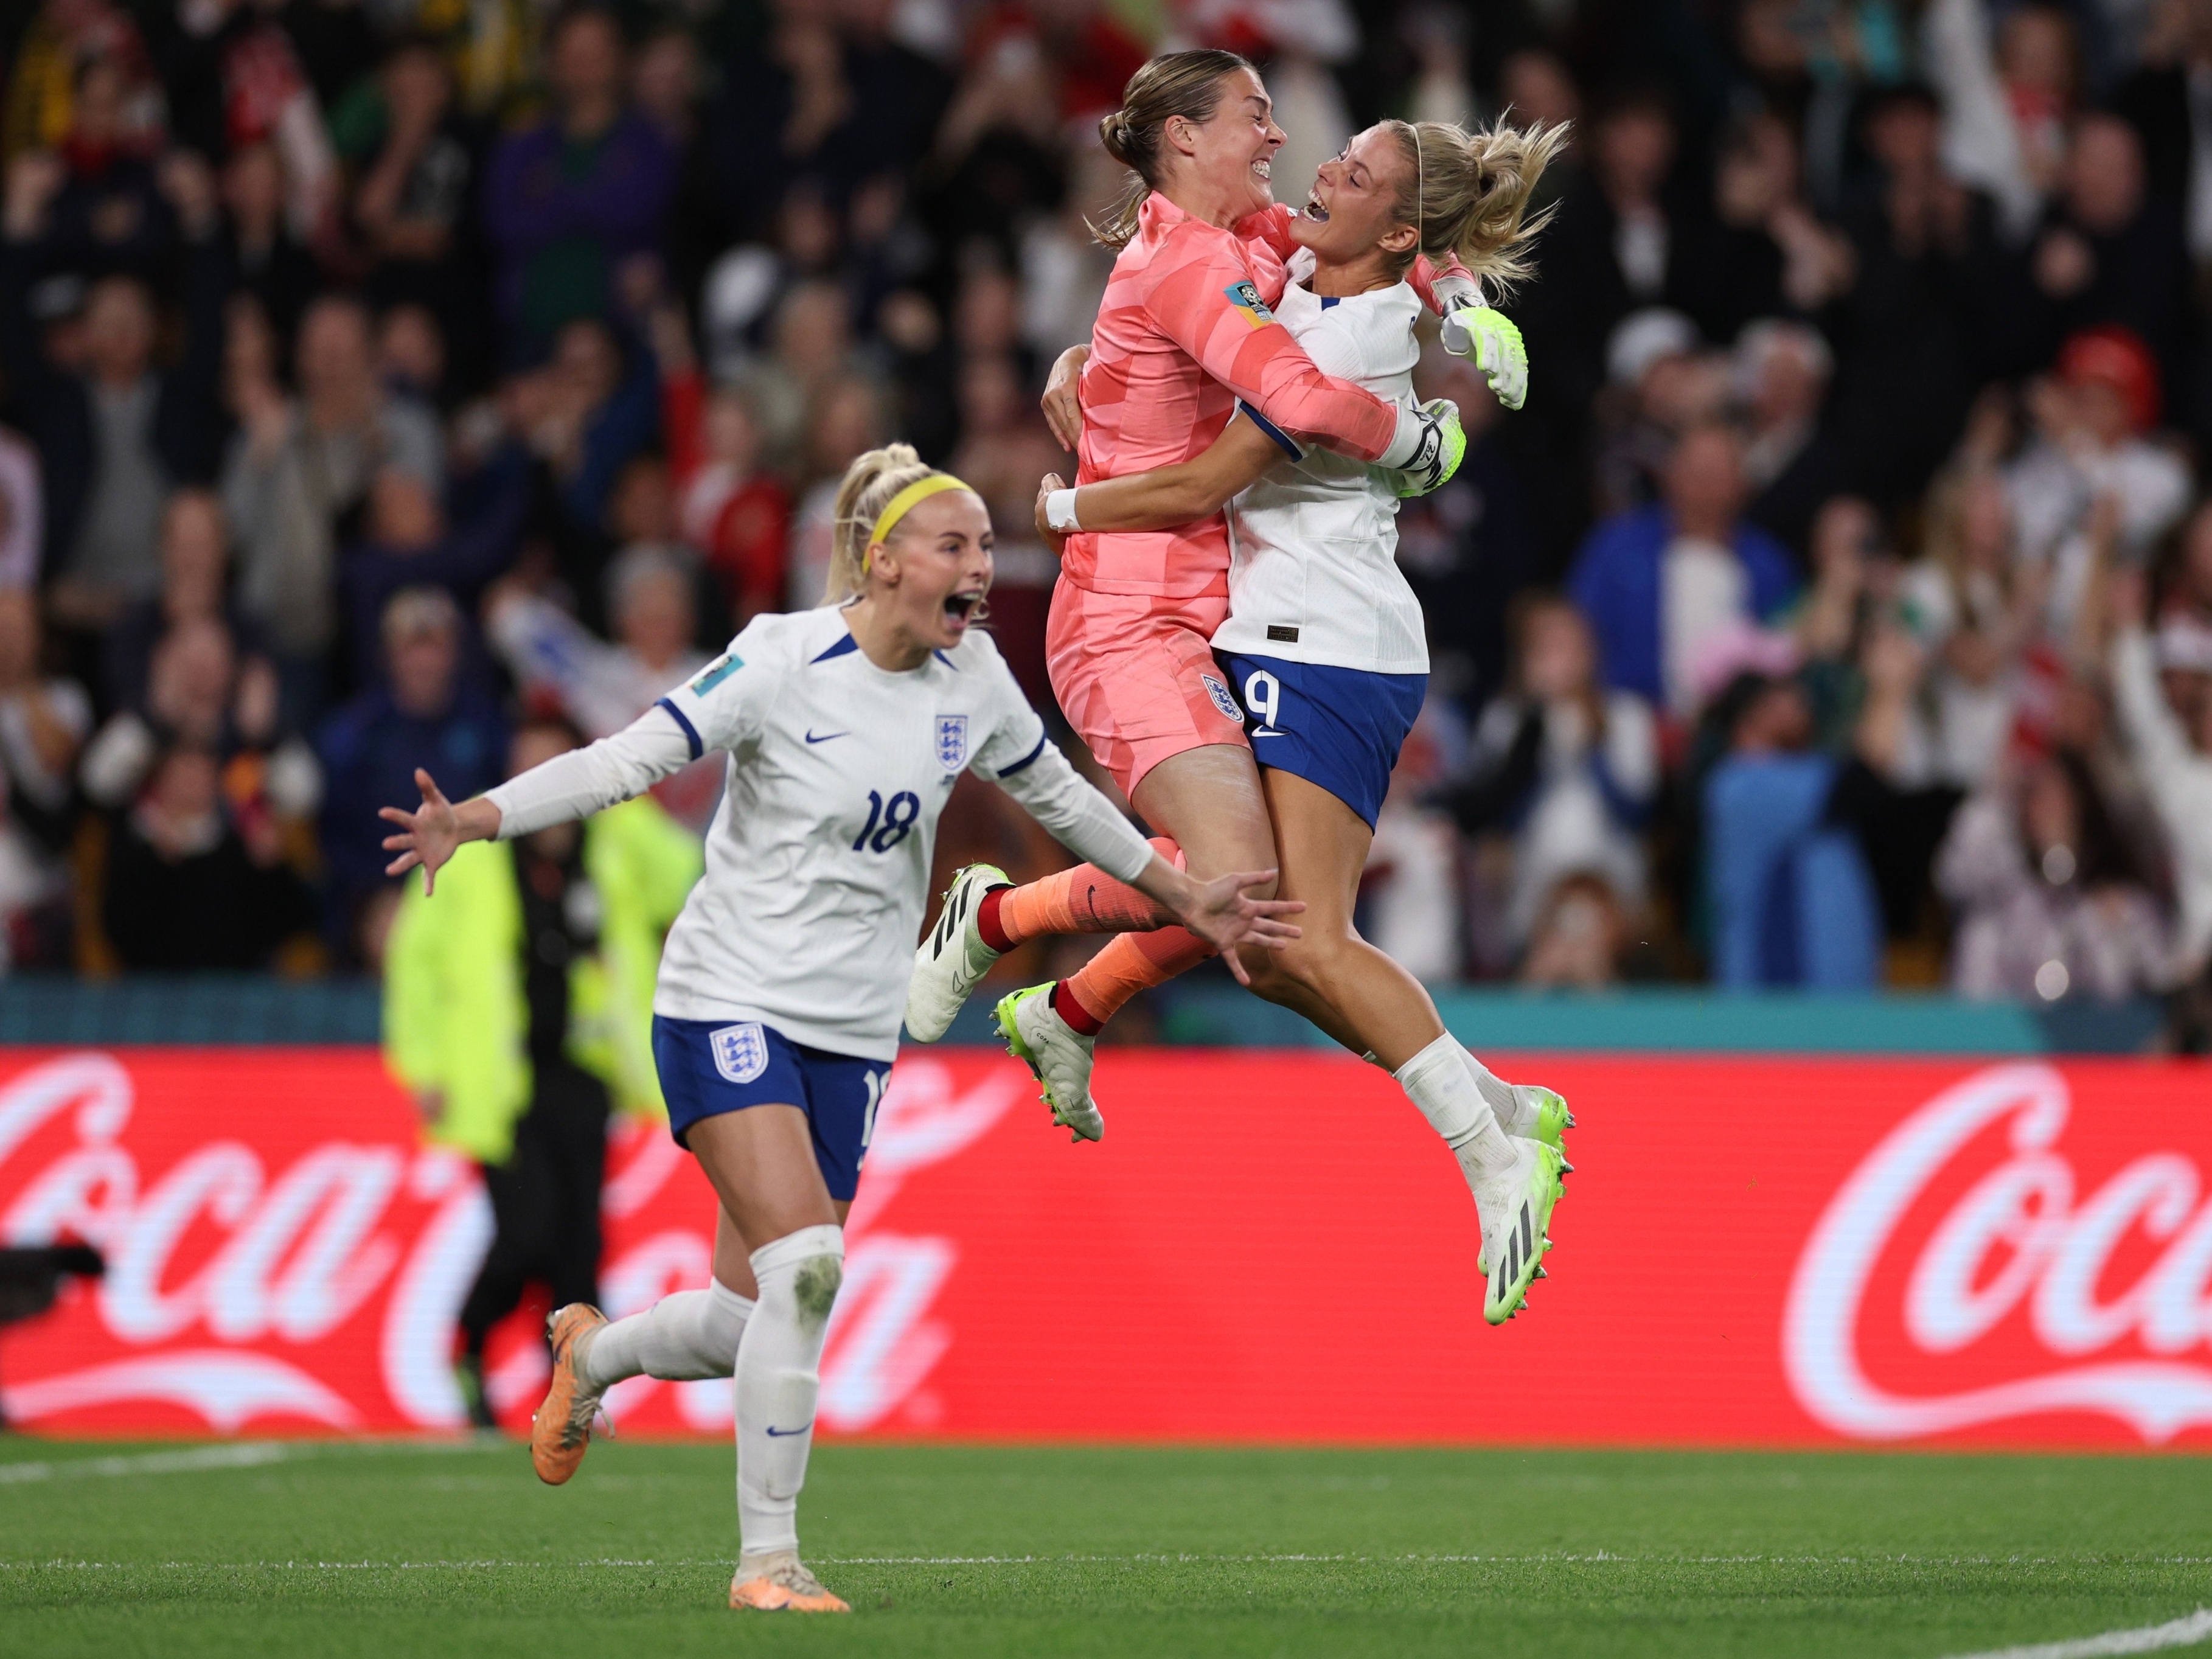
[(1375, 1004)]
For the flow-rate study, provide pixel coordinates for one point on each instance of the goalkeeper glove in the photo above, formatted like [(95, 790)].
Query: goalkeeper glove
[(1442, 448), (1488, 336)]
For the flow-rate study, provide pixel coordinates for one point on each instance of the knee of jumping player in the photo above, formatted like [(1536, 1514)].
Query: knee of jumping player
[(1307, 963)]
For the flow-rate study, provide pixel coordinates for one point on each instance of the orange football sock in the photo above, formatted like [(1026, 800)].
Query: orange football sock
[(1130, 962), (1083, 900)]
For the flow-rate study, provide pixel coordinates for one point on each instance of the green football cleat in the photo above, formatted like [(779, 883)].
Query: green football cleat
[(1553, 1120), (1057, 1055), (1516, 1212)]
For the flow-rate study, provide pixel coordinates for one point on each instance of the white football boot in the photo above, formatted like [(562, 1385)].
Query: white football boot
[(1525, 1109), (1516, 1210), (1057, 1055), (951, 956)]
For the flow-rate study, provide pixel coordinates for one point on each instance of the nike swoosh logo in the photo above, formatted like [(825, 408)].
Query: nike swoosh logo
[(774, 1431), (1270, 731), (826, 736)]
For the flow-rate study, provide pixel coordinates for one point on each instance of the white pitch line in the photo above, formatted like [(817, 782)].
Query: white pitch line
[(247, 1455), (2184, 1632)]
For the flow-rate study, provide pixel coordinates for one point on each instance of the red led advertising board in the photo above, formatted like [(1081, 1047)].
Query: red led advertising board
[(1266, 1247)]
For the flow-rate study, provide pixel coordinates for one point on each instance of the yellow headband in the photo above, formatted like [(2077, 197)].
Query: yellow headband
[(901, 504)]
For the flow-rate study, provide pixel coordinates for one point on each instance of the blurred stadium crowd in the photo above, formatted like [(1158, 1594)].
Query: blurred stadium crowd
[(1838, 612)]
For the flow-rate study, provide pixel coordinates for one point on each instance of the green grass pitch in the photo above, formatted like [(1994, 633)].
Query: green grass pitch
[(408, 1549)]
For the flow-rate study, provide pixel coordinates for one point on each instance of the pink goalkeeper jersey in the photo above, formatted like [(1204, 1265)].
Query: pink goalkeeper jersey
[(1184, 330)]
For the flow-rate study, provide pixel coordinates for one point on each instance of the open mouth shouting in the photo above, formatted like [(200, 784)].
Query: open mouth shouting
[(1314, 209), (964, 607)]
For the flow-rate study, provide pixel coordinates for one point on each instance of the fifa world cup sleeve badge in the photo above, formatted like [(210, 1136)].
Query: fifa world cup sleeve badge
[(1244, 297)]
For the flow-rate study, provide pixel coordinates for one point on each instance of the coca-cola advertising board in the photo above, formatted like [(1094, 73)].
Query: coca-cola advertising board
[(1266, 1247)]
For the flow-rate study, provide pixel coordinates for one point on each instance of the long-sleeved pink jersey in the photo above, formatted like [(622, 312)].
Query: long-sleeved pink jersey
[(1184, 330)]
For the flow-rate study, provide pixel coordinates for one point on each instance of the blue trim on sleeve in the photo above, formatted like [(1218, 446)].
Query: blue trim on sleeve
[(690, 731), (1271, 430), (1026, 761), (843, 647)]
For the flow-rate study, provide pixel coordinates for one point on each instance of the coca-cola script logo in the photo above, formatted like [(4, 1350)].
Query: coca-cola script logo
[(280, 1249), (2029, 1293)]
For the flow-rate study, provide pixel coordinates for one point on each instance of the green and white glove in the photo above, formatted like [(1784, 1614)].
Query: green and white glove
[(1488, 336), (1442, 446)]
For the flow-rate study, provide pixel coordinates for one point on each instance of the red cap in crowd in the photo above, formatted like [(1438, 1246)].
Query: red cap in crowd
[(2118, 357)]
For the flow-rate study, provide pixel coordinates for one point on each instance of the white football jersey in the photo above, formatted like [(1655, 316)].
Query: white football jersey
[(818, 857), (1313, 570)]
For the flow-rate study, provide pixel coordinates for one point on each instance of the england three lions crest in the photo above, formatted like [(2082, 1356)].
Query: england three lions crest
[(952, 741)]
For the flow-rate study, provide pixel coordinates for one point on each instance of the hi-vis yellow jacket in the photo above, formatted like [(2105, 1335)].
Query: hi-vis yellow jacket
[(454, 1015)]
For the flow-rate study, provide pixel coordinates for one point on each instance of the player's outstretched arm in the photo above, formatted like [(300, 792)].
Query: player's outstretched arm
[(558, 791), (1165, 496)]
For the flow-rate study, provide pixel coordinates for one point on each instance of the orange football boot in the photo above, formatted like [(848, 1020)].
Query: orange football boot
[(782, 1585), (561, 1429)]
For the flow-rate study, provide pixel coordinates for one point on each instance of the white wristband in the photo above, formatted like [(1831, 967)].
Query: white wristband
[(1060, 510)]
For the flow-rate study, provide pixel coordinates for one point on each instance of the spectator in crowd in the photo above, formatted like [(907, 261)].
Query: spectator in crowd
[(114, 432), (2094, 424), (1791, 463), (189, 887), (571, 200), (1793, 903), (297, 469), (1672, 589), (412, 209), (729, 506), (408, 543), (1976, 607), (1567, 767), (269, 262), (195, 570), (425, 713), (519, 1011), (2048, 904), (2110, 255), (2172, 750), (44, 722), (1920, 322)]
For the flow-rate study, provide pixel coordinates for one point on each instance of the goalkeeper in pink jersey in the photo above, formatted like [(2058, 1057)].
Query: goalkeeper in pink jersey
[(1323, 647)]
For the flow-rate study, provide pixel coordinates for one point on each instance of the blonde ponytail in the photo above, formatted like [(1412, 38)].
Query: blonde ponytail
[(1469, 193), (866, 490)]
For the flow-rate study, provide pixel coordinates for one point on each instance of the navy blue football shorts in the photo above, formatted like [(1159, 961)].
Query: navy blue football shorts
[(1340, 728), (709, 1066)]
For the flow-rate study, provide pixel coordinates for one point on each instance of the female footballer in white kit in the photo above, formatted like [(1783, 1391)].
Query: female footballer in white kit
[(782, 984)]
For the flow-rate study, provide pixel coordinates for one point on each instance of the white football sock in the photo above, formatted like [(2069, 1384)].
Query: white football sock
[(1437, 1081), (779, 1375), (682, 1338), (1515, 1117)]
